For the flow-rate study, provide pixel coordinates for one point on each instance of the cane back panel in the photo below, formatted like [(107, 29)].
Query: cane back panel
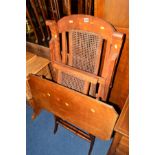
[(72, 82), (84, 51), (86, 43)]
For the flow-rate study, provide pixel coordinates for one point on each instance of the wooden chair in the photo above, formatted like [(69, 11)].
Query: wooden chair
[(84, 53), (88, 45)]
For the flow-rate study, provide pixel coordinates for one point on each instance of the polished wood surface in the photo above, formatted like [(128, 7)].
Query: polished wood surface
[(30, 57), (91, 115), (79, 73), (122, 125), (121, 81), (36, 65), (117, 13), (120, 144), (38, 50)]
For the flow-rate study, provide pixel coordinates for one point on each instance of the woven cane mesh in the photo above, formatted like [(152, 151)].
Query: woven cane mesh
[(84, 47), (72, 82)]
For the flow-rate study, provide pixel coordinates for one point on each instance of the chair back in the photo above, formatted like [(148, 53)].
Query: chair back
[(87, 46)]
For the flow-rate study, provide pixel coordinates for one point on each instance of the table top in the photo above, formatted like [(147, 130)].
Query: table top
[(30, 56), (122, 125), (34, 63)]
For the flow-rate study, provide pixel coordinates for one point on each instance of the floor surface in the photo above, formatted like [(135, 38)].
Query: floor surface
[(40, 139)]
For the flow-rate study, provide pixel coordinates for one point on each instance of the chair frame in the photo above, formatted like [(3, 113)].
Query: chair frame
[(89, 24)]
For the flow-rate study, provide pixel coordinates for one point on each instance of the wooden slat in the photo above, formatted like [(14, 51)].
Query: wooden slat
[(93, 116), (121, 81), (80, 7), (55, 9), (37, 17), (86, 87), (67, 7), (70, 61), (64, 48), (44, 16), (110, 61), (29, 17), (59, 77), (98, 56), (55, 38), (88, 6), (79, 73), (38, 50)]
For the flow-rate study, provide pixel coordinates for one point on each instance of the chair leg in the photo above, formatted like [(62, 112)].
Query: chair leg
[(56, 125), (91, 144)]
